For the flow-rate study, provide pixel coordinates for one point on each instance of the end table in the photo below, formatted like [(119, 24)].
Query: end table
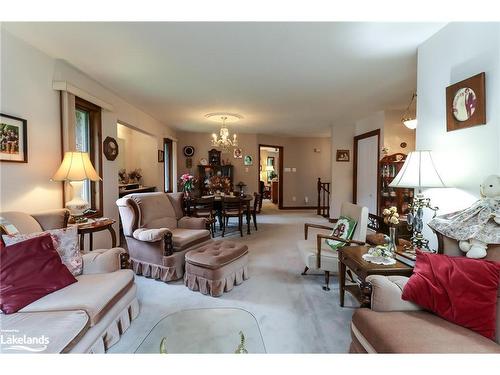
[(352, 257), (93, 226)]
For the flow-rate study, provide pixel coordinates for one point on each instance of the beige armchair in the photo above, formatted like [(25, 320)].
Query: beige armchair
[(158, 235), (391, 325), (320, 257)]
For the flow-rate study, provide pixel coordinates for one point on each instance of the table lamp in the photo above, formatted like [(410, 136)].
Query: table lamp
[(418, 172), (75, 168)]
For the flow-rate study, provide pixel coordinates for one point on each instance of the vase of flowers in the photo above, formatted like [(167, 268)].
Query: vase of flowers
[(186, 183), (391, 218)]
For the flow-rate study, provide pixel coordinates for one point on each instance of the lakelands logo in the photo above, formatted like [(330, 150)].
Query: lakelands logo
[(12, 341)]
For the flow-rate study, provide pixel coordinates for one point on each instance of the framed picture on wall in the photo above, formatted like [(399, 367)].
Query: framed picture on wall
[(248, 160), (270, 160), (13, 139), (342, 155), (237, 153), (466, 103), (161, 156)]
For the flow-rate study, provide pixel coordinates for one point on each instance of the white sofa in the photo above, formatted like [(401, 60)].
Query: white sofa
[(88, 316)]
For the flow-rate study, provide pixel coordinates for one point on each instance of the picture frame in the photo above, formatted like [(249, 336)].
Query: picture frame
[(270, 160), (110, 148), (161, 156), (13, 139), (343, 156), (248, 160), (466, 103), (238, 153)]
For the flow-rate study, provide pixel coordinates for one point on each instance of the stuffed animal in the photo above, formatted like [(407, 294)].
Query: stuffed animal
[(477, 226)]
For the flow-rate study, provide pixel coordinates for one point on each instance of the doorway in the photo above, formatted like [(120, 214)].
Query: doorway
[(271, 174), (366, 175)]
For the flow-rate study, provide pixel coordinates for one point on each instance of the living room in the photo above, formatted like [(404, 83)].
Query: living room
[(196, 197)]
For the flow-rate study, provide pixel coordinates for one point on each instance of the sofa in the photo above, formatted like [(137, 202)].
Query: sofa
[(393, 325), (88, 316), (158, 234)]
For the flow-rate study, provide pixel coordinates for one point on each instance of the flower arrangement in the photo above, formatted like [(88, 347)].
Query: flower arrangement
[(391, 216), (135, 175), (123, 176), (186, 182), (219, 183)]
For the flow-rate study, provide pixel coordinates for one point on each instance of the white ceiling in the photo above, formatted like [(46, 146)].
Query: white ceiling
[(285, 78)]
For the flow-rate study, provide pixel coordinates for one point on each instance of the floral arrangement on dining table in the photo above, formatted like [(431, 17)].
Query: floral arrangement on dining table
[(219, 184), (187, 182)]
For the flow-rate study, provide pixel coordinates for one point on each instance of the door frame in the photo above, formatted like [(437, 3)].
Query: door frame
[(280, 171), (357, 138)]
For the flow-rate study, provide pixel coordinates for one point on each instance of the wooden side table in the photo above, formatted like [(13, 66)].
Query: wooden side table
[(351, 257), (95, 226)]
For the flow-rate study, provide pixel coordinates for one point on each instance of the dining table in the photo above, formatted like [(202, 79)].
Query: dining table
[(247, 199)]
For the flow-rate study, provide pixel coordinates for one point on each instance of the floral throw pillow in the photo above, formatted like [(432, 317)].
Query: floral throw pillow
[(65, 242), (344, 228)]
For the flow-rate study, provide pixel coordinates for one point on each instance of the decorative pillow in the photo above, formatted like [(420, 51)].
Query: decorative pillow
[(344, 228), (30, 270), (65, 242), (458, 289)]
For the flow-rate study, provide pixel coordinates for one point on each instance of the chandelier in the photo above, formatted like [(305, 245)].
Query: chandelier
[(224, 141), (407, 120)]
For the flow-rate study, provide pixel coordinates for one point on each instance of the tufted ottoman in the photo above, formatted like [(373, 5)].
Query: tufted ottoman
[(216, 267)]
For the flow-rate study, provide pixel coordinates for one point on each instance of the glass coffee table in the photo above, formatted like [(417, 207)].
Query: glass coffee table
[(210, 330)]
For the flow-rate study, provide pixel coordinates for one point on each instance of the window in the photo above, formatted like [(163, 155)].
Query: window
[(167, 167), (88, 139)]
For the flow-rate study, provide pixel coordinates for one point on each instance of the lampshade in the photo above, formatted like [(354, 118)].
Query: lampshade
[(418, 171), (76, 166)]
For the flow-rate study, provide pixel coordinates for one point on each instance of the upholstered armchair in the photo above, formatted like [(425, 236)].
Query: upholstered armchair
[(158, 234), (317, 255), (389, 324)]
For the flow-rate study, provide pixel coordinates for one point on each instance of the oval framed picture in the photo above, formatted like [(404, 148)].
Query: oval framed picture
[(110, 148), (464, 104)]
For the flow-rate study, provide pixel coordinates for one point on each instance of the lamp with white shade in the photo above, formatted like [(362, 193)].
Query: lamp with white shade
[(419, 171), (76, 168)]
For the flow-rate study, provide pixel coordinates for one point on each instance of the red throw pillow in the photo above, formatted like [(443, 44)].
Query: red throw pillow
[(458, 289), (30, 270)]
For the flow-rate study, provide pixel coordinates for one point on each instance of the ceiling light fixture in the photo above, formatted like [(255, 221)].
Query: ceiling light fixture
[(224, 141), (409, 122)]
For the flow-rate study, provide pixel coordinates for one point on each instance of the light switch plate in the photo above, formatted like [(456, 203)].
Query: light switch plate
[(294, 169), (287, 169)]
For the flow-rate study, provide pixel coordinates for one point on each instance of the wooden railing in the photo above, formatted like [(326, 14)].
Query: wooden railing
[(323, 198)]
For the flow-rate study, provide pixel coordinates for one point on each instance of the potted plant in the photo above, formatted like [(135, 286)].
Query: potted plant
[(186, 183)]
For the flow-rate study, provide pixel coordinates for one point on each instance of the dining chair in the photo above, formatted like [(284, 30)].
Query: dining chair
[(232, 207), (255, 209), (204, 207)]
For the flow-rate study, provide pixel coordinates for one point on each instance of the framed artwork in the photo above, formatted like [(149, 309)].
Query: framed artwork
[(466, 103), (270, 160), (13, 139), (248, 160), (342, 155), (238, 154), (161, 156), (110, 148)]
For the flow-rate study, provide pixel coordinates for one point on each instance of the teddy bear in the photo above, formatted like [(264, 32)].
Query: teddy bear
[(477, 226)]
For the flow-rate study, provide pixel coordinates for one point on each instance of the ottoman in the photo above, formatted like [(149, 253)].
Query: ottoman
[(216, 267)]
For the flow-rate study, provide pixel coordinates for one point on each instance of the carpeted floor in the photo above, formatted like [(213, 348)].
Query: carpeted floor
[(294, 313)]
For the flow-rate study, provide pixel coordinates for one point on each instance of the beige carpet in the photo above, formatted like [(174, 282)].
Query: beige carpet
[(295, 315)]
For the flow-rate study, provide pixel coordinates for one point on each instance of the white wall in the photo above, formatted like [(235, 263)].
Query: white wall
[(26, 91), (464, 157), (139, 151)]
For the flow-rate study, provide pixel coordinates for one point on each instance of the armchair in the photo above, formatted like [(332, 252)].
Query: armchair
[(388, 324), (158, 235), (318, 257)]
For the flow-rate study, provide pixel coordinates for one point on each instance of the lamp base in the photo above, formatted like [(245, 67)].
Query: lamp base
[(77, 206), (415, 221)]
